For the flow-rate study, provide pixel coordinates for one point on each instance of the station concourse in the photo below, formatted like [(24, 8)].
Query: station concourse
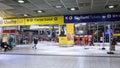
[(59, 33)]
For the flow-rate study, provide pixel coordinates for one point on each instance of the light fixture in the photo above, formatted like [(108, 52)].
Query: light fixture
[(25, 15), (72, 9), (58, 6), (40, 11), (111, 6), (21, 1)]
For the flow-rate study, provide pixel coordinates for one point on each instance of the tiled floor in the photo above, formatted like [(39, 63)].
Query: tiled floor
[(50, 55), (47, 48), (32, 61)]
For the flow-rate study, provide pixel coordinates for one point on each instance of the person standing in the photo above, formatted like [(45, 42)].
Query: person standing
[(101, 41), (53, 34), (112, 47), (35, 42)]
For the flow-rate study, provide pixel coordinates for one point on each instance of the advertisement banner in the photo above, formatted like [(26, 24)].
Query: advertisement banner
[(70, 33), (98, 17), (66, 35)]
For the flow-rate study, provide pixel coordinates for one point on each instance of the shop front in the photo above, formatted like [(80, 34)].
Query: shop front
[(46, 28), (93, 26)]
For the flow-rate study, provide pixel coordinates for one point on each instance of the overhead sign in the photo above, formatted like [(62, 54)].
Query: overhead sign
[(33, 21), (98, 17), (44, 20), (9, 22), (13, 22)]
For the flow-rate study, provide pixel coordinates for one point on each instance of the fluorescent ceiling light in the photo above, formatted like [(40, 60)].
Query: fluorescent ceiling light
[(58, 6), (25, 15), (20, 1), (111, 6), (39, 11), (72, 9)]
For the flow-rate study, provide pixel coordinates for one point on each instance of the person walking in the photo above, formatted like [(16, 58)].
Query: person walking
[(91, 42), (35, 42)]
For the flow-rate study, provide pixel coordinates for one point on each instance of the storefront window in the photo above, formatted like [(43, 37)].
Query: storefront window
[(80, 29), (97, 29)]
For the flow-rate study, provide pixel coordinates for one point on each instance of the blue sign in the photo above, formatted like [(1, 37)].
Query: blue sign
[(98, 17)]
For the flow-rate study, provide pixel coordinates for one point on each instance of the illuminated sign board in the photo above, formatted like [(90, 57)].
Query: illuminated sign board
[(98, 17), (33, 21)]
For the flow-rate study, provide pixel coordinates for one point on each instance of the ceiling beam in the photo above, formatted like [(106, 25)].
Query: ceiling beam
[(92, 4), (107, 1), (77, 4), (63, 3)]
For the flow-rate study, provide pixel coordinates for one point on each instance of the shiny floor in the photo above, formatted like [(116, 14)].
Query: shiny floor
[(33, 61), (51, 55), (50, 48)]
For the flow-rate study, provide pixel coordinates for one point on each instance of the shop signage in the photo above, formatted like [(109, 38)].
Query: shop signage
[(98, 17)]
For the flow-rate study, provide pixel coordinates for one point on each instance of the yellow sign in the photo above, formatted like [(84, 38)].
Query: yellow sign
[(62, 40), (69, 37), (116, 34), (70, 33), (70, 28), (20, 21), (33, 21), (9, 22), (44, 20), (13, 22)]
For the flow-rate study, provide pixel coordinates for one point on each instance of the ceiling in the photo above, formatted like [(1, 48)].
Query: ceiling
[(10, 8)]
